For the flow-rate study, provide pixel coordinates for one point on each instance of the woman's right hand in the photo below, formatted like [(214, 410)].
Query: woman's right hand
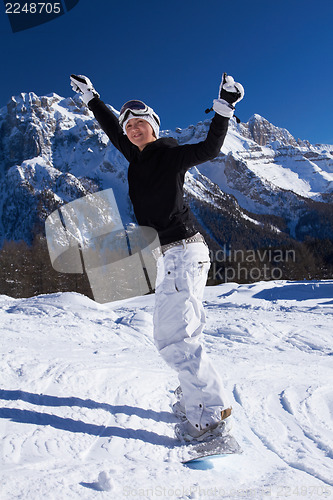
[(83, 86)]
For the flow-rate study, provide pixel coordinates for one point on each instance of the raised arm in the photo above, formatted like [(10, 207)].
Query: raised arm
[(105, 117), (110, 125), (230, 92)]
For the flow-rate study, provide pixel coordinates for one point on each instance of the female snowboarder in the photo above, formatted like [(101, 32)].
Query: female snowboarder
[(156, 172)]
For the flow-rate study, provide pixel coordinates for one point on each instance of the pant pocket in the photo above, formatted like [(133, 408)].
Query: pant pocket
[(199, 272), (169, 281), (200, 268)]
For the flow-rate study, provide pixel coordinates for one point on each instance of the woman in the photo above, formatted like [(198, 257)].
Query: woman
[(156, 173)]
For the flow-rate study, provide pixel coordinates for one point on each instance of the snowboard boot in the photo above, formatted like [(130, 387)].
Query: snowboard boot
[(187, 432), (179, 410)]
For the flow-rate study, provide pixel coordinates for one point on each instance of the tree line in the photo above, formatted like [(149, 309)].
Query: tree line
[(26, 270)]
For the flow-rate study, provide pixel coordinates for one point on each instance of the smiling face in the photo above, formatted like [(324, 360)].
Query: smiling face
[(139, 132)]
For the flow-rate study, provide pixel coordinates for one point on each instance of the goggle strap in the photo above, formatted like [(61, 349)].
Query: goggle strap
[(137, 112)]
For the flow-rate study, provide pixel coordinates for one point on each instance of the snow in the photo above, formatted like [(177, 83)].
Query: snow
[(85, 397)]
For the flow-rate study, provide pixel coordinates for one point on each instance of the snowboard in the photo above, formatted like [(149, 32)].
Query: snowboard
[(218, 446)]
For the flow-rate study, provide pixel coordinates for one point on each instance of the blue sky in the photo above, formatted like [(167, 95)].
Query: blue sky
[(172, 53)]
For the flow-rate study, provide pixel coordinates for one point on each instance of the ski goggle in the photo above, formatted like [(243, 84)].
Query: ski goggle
[(137, 108)]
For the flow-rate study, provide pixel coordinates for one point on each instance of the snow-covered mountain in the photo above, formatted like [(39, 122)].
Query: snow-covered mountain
[(264, 182)]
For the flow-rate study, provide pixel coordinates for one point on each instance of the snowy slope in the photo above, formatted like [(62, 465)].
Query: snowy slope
[(257, 175), (85, 398), (276, 160)]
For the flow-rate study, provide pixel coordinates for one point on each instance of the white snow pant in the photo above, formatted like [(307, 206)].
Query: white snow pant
[(179, 320)]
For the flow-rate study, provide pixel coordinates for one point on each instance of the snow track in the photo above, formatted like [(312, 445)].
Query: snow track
[(85, 399)]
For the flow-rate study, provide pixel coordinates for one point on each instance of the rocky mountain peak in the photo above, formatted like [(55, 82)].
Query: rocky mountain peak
[(263, 132)]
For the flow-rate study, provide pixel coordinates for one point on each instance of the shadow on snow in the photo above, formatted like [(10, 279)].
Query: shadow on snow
[(299, 291), (70, 425)]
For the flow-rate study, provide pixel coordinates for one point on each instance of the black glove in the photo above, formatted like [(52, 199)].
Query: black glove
[(82, 85), (230, 92)]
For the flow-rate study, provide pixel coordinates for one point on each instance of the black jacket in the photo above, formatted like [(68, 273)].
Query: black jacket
[(156, 175)]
